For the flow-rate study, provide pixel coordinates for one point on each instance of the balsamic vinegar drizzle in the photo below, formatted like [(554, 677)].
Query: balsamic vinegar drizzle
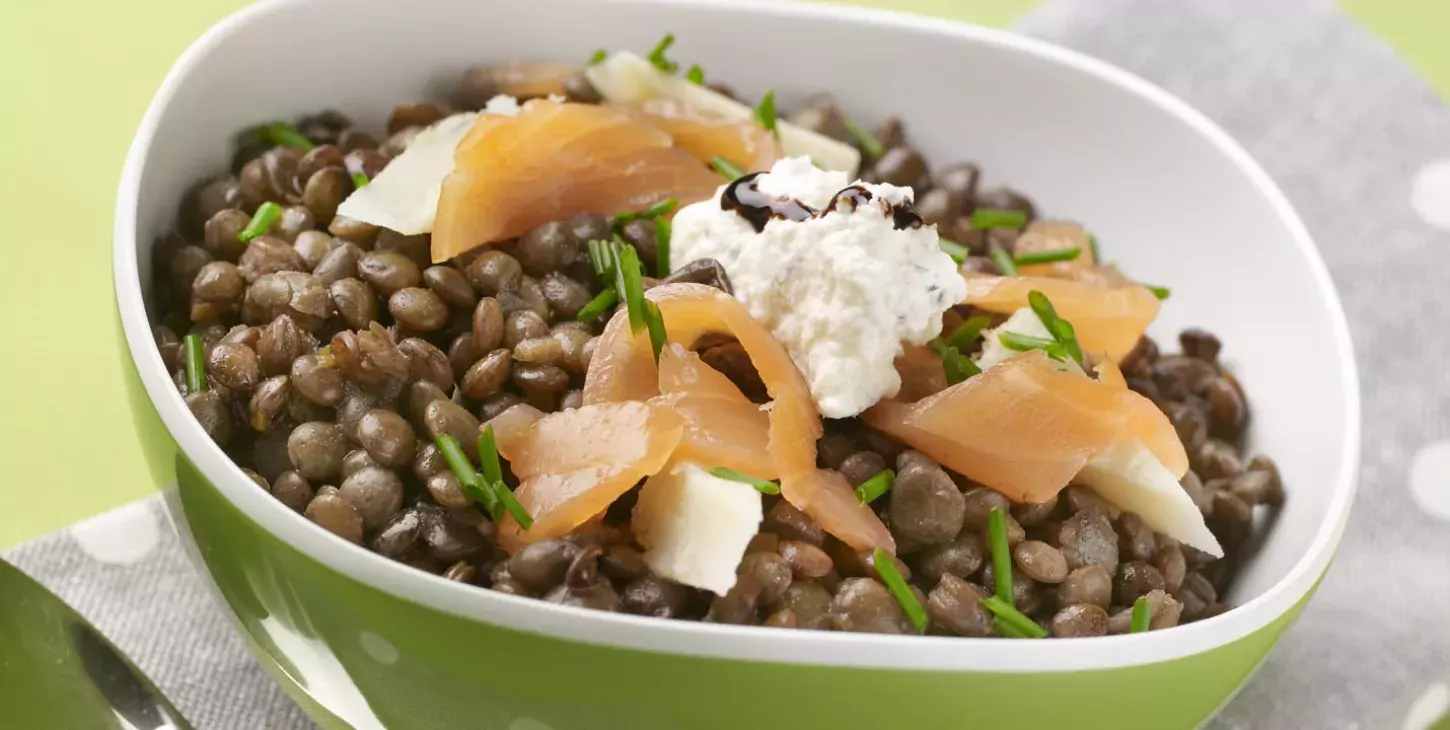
[(758, 208)]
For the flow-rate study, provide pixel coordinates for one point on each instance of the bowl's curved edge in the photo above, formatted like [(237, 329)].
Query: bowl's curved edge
[(748, 643)]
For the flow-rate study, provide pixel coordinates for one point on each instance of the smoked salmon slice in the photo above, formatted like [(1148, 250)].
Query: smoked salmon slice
[(1107, 319), (623, 369), (706, 135), (573, 464), (1022, 427), (1146, 422), (722, 426), (554, 160)]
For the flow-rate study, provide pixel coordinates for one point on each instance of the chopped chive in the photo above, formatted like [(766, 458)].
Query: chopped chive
[(598, 57), (267, 214), (1046, 257), (957, 367), (664, 207), (1006, 629), (1142, 615), (1093, 246), (1001, 554), (601, 259), (657, 55), (598, 305), (1003, 261), (1025, 343), (468, 478), (898, 587), (195, 364), (1012, 617), (283, 134), (1162, 292), (967, 332), (983, 218), (654, 321), (488, 456), (765, 113), (724, 167), (1060, 328), (627, 282), (511, 503), (1022, 343), (872, 489), (360, 180), (695, 75), (865, 139), (957, 251), (662, 246), (763, 486)]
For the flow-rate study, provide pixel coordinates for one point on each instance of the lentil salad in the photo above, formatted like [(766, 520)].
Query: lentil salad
[(346, 370)]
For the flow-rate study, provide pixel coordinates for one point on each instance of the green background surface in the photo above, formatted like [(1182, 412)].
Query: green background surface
[(75, 78)]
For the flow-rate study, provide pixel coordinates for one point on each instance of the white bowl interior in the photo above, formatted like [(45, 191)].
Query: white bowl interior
[(1168, 196)]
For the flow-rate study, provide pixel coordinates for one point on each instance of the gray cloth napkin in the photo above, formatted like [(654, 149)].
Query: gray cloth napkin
[(1344, 126)]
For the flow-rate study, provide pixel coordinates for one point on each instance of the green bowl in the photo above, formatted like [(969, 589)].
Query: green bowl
[(360, 641)]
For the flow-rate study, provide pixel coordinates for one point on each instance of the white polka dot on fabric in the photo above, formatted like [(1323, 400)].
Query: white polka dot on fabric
[(1433, 704), (1430, 479), (1430, 193), (381, 650), (122, 536), (529, 723)]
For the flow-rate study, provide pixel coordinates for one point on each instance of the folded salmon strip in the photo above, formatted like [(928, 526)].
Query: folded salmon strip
[(1107, 319), (623, 369)]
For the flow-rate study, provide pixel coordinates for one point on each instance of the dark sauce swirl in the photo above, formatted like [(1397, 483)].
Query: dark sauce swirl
[(745, 197), (758, 208)]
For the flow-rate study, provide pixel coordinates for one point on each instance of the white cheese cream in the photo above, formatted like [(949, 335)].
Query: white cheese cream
[(841, 289)]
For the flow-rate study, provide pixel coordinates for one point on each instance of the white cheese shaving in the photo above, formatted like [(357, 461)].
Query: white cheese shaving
[(695, 526)]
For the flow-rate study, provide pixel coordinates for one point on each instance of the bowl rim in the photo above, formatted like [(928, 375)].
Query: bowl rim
[(740, 642)]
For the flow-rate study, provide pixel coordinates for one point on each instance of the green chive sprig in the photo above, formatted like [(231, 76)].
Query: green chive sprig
[(1060, 328), (598, 57), (1046, 257), (1018, 625), (726, 168), (865, 139), (1142, 615), (983, 218), (662, 208), (1162, 292), (1025, 343), (658, 58), (764, 486), (967, 332), (195, 363), (282, 134), (899, 589), (1093, 246), (1001, 555), (872, 489), (958, 367), (765, 113), (493, 479), (663, 229), (695, 75), (957, 251), (261, 222), (598, 305), (360, 180), (462, 468), (643, 314), (1003, 260)]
